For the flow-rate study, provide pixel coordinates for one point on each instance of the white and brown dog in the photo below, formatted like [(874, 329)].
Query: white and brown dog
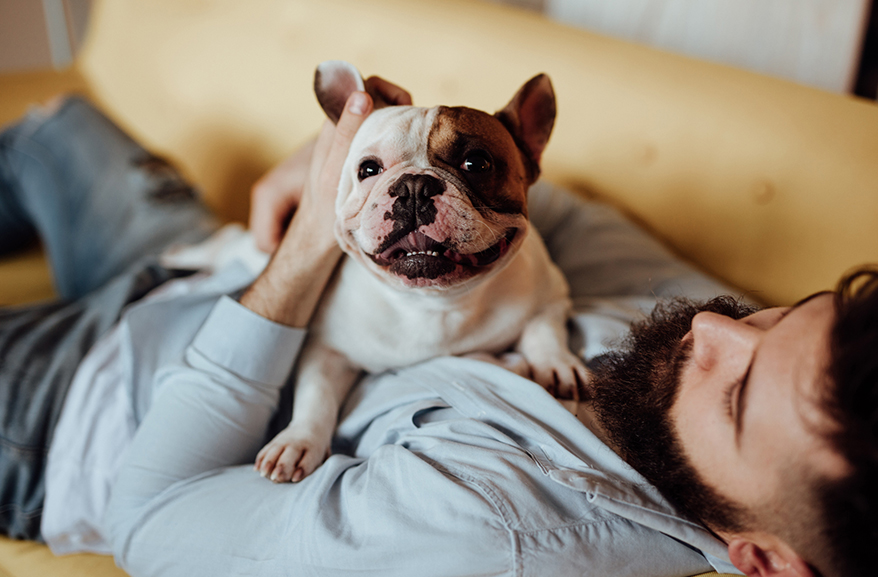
[(432, 214)]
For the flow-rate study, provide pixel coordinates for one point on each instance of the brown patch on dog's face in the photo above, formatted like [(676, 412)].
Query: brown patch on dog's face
[(482, 158)]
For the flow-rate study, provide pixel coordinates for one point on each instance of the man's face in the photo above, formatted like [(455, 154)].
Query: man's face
[(747, 409), (713, 406)]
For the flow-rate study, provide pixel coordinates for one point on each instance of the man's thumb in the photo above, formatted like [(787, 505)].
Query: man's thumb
[(357, 108)]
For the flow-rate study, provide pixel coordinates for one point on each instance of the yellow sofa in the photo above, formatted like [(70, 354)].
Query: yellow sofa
[(769, 185)]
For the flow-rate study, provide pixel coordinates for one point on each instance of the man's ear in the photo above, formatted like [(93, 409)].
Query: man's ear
[(759, 554), (530, 116), (334, 81)]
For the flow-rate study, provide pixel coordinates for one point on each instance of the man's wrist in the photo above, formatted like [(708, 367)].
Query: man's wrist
[(288, 290)]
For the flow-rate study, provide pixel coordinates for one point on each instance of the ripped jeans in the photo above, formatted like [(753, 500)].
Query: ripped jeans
[(104, 208)]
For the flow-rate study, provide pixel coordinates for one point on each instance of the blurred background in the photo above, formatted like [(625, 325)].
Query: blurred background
[(828, 44), (725, 126)]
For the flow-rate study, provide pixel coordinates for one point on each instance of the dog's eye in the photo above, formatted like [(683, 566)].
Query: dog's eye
[(476, 162), (369, 168)]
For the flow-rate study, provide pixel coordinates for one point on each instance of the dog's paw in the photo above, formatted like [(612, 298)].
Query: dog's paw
[(560, 373), (292, 455)]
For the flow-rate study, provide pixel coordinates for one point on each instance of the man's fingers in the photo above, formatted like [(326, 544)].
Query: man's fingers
[(357, 108), (387, 93), (266, 206), (321, 149), (274, 197)]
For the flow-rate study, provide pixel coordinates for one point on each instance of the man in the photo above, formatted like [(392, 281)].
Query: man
[(742, 419)]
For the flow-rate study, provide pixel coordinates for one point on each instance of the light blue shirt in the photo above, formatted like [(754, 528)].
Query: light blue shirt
[(450, 467)]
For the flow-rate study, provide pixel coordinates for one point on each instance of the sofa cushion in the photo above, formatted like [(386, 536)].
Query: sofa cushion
[(766, 183), (28, 559)]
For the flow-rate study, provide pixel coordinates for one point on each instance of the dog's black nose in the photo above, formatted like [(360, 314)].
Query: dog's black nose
[(414, 205), (419, 186)]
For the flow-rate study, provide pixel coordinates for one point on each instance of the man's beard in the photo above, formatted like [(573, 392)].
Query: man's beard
[(633, 392)]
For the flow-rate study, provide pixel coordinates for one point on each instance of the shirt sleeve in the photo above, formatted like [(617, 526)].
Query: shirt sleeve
[(188, 502), (210, 411)]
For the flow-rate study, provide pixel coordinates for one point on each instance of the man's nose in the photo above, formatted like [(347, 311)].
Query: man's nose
[(722, 342)]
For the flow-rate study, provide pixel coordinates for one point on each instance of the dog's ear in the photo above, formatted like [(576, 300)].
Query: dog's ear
[(334, 81), (529, 117)]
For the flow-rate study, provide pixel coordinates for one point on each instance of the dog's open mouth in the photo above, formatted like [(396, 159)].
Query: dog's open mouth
[(416, 255)]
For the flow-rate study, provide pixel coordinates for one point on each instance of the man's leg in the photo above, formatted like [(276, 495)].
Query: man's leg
[(16, 229), (41, 347), (104, 208), (98, 200)]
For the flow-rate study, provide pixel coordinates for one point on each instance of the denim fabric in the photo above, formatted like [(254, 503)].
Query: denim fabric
[(99, 200), (104, 208), (16, 229)]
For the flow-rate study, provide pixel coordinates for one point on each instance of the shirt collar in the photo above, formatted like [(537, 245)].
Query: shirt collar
[(566, 450)]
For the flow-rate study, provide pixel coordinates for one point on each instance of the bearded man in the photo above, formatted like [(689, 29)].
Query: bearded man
[(717, 436)]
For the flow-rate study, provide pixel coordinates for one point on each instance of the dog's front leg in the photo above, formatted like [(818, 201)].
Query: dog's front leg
[(543, 344), (324, 379)]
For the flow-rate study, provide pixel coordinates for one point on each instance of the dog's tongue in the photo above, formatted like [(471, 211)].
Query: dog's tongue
[(413, 242)]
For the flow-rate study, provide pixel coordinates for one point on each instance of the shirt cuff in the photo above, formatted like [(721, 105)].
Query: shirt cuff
[(247, 344)]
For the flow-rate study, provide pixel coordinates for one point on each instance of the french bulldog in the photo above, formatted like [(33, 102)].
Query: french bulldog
[(440, 259)]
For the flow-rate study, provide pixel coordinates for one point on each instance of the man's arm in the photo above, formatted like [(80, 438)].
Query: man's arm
[(288, 290), (212, 410), (181, 508)]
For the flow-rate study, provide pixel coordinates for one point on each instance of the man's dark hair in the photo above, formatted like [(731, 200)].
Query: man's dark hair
[(849, 506)]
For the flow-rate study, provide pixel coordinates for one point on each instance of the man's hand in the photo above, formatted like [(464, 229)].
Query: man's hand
[(276, 195), (289, 288)]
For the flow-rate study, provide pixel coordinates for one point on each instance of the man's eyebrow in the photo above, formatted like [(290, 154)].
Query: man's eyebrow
[(741, 405)]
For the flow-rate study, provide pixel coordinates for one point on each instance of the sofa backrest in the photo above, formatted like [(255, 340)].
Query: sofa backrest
[(769, 185)]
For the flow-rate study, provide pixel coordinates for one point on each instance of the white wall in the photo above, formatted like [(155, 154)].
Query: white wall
[(36, 34), (814, 42)]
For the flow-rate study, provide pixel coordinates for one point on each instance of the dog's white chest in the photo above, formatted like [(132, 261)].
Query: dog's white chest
[(378, 327)]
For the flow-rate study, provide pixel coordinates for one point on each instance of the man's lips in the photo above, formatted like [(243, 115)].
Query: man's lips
[(417, 245)]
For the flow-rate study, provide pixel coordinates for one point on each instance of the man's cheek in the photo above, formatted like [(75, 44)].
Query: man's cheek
[(703, 434)]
